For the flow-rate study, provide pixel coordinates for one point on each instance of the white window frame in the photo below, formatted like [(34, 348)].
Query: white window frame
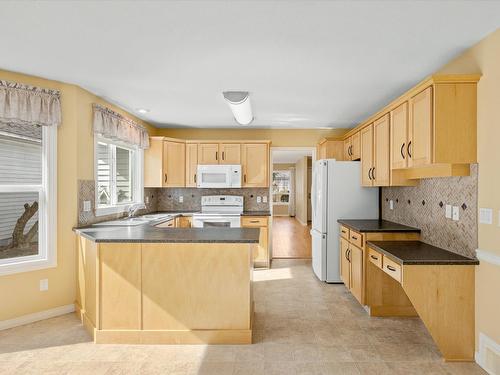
[(137, 178), (285, 171), (47, 211)]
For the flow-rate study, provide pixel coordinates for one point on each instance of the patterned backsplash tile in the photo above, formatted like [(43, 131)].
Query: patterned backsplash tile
[(168, 198), (423, 206)]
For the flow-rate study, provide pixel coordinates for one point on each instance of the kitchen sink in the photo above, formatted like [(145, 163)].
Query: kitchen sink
[(125, 222)]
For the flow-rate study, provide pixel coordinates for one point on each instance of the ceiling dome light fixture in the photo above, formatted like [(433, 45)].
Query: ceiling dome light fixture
[(239, 103), (142, 111)]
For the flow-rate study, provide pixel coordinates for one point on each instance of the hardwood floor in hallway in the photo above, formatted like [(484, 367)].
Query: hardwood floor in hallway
[(291, 239)]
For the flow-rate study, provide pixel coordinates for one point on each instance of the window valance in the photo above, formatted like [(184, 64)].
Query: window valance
[(113, 125), (28, 105)]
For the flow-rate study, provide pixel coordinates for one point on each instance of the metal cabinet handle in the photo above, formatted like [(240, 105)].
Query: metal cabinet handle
[(402, 147), (216, 155), (390, 268), (408, 149), (195, 178), (254, 221), (373, 173), (354, 238), (373, 257), (369, 174), (343, 231), (223, 156), (345, 254), (244, 178), (165, 177)]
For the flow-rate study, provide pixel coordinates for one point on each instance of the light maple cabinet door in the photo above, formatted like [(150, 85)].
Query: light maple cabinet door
[(153, 163), (356, 146), (420, 140), (381, 152), (399, 133), (347, 149), (230, 153), (255, 164), (174, 162), (367, 155), (191, 164), (208, 153), (344, 262), (356, 258)]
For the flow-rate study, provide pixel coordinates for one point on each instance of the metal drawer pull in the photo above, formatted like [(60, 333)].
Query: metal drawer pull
[(165, 177), (373, 257), (254, 221), (354, 238), (402, 147), (390, 268), (343, 231), (408, 149)]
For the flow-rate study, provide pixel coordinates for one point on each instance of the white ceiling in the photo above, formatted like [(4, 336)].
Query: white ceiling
[(289, 156), (306, 64)]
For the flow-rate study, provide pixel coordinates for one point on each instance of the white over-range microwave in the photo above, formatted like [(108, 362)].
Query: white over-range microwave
[(219, 176)]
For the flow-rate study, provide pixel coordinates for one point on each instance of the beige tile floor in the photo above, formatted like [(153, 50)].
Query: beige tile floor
[(302, 326)]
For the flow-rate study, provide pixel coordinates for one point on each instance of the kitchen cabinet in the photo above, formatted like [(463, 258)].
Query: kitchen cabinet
[(399, 136), (347, 149), (255, 164), (162, 161), (420, 135), (381, 152), (191, 164), (261, 258), (345, 270), (208, 153), (174, 155), (351, 265), (367, 155), (330, 148), (230, 153), (352, 147)]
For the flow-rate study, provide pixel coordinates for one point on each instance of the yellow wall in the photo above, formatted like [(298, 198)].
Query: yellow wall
[(278, 137), (484, 58), (20, 292), (301, 190)]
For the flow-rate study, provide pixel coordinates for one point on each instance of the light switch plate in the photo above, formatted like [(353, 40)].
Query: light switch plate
[(181, 198), (447, 213), (44, 285), (455, 213), (86, 206), (259, 199), (485, 216), (147, 199), (264, 199), (391, 204)]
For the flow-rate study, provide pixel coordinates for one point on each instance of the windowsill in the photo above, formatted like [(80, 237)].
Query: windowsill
[(110, 210), (26, 265)]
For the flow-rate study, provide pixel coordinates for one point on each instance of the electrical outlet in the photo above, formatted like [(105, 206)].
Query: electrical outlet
[(391, 204), (147, 199), (486, 216), (455, 213), (86, 206), (44, 285), (448, 211), (181, 198), (259, 199), (264, 199)]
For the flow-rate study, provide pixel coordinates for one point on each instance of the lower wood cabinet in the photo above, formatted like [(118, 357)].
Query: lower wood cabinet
[(351, 266), (261, 257)]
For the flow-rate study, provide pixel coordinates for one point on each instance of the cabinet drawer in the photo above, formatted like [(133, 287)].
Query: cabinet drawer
[(356, 238), (375, 257), (392, 268), (344, 232), (252, 221)]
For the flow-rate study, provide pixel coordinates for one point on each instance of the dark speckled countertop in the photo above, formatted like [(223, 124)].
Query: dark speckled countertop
[(256, 213), (365, 226), (416, 252)]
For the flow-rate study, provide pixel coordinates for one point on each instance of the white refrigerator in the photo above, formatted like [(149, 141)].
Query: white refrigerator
[(336, 194)]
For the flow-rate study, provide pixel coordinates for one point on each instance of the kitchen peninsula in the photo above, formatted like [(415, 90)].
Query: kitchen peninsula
[(149, 285)]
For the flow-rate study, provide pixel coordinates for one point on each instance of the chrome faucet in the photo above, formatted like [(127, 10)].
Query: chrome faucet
[(133, 208)]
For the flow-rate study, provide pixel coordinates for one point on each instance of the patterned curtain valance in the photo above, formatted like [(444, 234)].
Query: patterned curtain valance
[(111, 124), (28, 105)]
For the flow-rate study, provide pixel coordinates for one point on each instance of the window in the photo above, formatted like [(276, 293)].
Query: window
[(281, 187), (119, 179), (27, 197)]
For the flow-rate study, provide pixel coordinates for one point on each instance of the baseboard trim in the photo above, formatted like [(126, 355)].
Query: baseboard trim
[(488, 256), (35, 317), (487, 344)]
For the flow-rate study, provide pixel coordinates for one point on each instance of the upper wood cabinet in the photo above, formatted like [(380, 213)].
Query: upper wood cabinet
[(255, 164), (164, 163), (420, 132), (352, 147), (230, 153), (366, 137), (191, 164), (347, 149), (208, 153), (174, 156), (399, 136), (381, 156), (330, 148)]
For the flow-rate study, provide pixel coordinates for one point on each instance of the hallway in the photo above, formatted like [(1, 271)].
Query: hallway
[(291, 239), (302, 326)]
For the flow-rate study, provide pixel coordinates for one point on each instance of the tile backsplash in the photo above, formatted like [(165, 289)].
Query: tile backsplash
[(167, 199), (423, 206)]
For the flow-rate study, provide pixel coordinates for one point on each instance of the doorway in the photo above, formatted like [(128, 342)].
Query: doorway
[(291, 180)]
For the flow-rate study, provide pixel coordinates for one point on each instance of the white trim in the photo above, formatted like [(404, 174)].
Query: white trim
[(35, 317), (47, 211), (488, 256), (486, 343)]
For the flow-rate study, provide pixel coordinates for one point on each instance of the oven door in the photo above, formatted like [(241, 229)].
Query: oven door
[(215, 221)]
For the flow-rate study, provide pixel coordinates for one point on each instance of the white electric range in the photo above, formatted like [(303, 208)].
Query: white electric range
[(219, 211)]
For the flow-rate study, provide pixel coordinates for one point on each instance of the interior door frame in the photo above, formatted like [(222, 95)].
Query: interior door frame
[(312, 149)]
